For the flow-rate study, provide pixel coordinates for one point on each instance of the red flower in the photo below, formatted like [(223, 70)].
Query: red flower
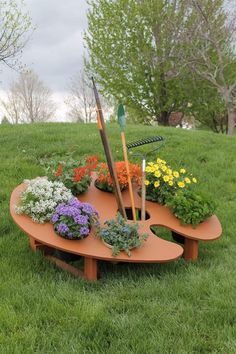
[(92, 162), (59, 171), (79, 173)]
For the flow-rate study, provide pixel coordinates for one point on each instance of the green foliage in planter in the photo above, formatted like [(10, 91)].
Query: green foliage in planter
[(190, 207), (122, 236), (75, 175)]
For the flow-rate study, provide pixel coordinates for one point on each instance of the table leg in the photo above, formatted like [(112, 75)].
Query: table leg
[(90, 268), (190, 249), (33, 244)]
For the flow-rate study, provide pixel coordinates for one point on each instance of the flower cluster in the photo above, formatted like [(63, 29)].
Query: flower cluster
[(41, 197), (73, 220), (162, 181), (75, 175), (104, 180), (122, 236)]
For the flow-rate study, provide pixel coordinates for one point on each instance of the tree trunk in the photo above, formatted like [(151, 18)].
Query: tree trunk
[(164, 118), (231, 118)]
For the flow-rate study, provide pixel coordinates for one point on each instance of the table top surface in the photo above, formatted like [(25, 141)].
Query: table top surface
[(154, 248)]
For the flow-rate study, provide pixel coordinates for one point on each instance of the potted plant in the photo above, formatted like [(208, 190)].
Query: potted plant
[(174, 188), (76, 175), (73, 220), (121, 236), (162, 181), (41, 197), (104, 180), (191, 208)]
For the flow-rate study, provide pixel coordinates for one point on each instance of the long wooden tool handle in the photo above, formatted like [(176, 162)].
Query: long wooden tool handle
[(128, 175), (143, 212), (107, 150)]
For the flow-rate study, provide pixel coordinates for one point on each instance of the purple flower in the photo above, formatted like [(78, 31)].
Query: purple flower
[(84, 231), (70, 235), (60, 208), (74, 202), (62, 228), (54, 218), (81, 219), (88, 208)]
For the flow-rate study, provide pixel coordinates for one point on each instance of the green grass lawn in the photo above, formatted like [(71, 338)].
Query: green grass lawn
[(175, 308)]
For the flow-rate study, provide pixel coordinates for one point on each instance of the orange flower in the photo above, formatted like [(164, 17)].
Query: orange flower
[(105, 178)]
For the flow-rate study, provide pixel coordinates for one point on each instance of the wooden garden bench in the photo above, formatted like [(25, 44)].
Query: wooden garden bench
[(154, 250)]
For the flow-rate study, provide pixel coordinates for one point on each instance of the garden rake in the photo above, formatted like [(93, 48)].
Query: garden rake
[(139, 143)]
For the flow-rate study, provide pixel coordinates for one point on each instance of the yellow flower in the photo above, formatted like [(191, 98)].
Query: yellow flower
[(150, 163), (182, 170), (159, 161), (169, 171), (171, 183), (181, 184), (157, 174), (152, 169), (187, 180), (194, 180), (164, 168), (176, 174), (148, 169), (146, 182), (166, 178), (157, 184)]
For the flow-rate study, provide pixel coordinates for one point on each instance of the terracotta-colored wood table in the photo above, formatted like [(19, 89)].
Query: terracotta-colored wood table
[(154, 250)]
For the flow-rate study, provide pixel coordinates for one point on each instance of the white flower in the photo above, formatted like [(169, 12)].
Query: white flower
[(41, 197)]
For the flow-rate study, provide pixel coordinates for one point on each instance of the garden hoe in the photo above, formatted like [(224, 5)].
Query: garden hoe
[(121, 121)]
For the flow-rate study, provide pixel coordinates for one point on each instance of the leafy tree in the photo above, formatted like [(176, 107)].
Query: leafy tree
[(132, 54), (207, 106), (14, 27)]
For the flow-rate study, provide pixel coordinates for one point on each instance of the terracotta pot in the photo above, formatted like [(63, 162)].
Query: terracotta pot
[(110, 246), (106, 190)]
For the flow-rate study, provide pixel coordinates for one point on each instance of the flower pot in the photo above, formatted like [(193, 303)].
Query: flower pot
[(106, 188), (73, 238), (110, 246)]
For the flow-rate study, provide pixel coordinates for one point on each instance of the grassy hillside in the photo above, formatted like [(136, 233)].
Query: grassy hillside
[(170, 308)]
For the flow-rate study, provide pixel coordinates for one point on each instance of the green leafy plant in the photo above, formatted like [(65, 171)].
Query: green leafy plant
[(75, 175), (190, 207), (122, 236)]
